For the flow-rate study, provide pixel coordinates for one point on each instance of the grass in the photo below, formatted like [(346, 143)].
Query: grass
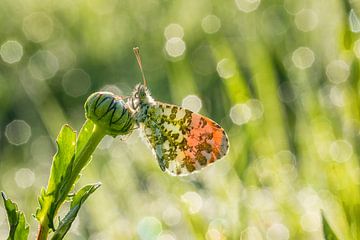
[(298, 159)]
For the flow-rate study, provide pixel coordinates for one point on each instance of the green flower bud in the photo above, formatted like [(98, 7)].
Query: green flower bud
[(109, 112)]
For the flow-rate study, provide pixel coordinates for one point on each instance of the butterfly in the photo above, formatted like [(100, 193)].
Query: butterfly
[(181, 140)]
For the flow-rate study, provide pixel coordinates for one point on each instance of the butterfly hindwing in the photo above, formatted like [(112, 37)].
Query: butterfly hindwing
[(183, 141)]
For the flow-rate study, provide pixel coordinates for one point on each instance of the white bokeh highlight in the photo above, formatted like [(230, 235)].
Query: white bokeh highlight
[(338, 71), (11, 51), (247, 5), (173, 30), (24, 178), (192, 102), (175, 47), (193, 201), (38, 27), (149, 228), (303, 57), (277, 231), (226, 68), (306, 20), (171, 216), (18, 132), (240, 113), (211, 24)]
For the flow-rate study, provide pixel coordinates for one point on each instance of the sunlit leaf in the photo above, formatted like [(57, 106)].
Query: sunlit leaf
[(19, 229), (61, 171), (75, 205)]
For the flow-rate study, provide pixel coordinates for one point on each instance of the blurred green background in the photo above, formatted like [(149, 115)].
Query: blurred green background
[(282, 77)]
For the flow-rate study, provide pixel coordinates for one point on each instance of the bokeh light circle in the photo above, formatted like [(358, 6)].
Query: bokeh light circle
[(18, 132), (175, 47), (193, 200), (338, 71), (173, 30), (277, 231), (24, 178), (226, 68), (171, 216), (341, 150), (43, 65), (11, 51), (214, 234), (38, 27), (240, 114), (256, 107), (192, 102), (303, 57), (306, 20), (247, 5), (149, 228), (211, 24), (76, 82)]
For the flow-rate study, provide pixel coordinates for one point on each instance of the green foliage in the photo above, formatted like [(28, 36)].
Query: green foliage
[(72, 156), (19, 229), (328, 232), (76, 203), (60, 177)]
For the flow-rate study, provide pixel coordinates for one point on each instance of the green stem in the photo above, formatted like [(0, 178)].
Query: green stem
[(81, 159), (43, 231)]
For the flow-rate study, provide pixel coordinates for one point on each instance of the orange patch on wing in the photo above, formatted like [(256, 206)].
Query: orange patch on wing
[(206, 140)]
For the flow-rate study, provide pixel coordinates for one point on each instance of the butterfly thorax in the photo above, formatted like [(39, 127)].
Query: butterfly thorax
[(140, 101)]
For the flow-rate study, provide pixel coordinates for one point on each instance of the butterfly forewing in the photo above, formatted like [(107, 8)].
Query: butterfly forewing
[(183, 141)]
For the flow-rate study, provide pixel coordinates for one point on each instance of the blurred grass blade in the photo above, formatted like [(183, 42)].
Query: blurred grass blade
[(76, 203), (328, 232), (61, 171), (19, 229)]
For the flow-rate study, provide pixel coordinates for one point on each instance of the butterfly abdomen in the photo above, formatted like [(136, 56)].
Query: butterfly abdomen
[(110, 112)]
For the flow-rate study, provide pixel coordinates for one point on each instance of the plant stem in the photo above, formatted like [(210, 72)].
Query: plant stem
[(43, 232), (80, 161), (81, 158)]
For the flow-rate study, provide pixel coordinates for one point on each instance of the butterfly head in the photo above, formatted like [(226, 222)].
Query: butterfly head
[(140, 97)]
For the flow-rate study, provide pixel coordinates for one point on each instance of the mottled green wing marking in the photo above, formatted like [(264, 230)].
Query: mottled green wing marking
[(181, 140)]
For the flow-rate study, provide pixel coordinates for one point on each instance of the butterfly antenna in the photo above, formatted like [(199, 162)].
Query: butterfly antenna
[(138, 58)]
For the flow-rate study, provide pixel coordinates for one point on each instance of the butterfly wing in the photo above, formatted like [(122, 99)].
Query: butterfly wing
[(183, 141)]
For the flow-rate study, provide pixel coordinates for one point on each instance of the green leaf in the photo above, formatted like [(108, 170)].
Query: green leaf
[(19, 229), (72, 156), (60, 175), (328, 232), (75, 205)]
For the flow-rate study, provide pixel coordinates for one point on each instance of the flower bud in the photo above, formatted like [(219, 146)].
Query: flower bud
[(110, 113)]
